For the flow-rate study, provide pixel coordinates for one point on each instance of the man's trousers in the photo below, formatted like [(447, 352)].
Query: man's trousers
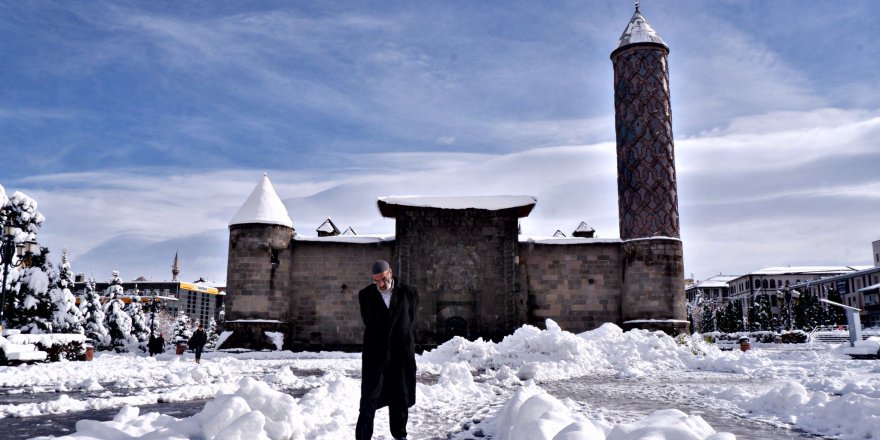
[(397, 418)]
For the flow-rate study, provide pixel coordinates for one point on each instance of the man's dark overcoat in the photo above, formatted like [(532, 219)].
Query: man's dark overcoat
[(389, 364), (198, 339)]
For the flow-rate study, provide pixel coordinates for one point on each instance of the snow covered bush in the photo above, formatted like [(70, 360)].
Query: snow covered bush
[(58, 346), (794, 337)]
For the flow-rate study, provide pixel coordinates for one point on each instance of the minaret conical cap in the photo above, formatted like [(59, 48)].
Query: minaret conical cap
[(262, 206), (639, 31)]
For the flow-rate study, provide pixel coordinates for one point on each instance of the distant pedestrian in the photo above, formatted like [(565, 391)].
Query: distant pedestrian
[(197, 342), (156, 345), (388, 378)]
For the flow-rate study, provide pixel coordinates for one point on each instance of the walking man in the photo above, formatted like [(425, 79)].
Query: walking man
[(197, 342), (388, 308)]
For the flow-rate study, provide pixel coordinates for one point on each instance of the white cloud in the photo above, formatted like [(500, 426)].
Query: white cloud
[(760, 150), (780, 140), (732, 220)]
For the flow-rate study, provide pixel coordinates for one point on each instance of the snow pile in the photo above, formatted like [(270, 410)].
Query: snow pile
[(257, 411), (45, 339), (850, 416), (867, 347), (455, 383), (550, 354), (555, 354), (482, 389), (532, 414), (253, 411), (20, 351)]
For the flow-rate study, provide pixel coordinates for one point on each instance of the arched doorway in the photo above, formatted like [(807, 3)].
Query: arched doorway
[(456, 326)]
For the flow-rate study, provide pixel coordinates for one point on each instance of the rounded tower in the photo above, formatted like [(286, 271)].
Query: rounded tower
[(259, 235), (653, 274)]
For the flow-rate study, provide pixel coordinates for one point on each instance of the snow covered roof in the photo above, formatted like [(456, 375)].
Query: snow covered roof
[(639, 31), (267, 321), (795, 270), (584, 227), (871, 287), (262, 206), (566, 240), (388, 206), (714, 282), (559, 234), (348, 238), (327, 228)]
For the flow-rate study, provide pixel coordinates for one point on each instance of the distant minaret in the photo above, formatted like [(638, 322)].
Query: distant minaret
[(175, 268), (647, 194)]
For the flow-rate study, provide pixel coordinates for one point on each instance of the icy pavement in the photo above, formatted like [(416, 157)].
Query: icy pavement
[(626, 400), (536, 384)]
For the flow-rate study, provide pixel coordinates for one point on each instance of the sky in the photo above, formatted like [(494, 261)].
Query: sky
[(141, 127)]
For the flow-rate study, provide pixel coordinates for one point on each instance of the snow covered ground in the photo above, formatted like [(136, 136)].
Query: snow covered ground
[(535, 384)]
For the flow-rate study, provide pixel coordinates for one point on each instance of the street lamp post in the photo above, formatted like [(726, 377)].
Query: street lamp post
[(8, 250), (153, 314), (791, 296)]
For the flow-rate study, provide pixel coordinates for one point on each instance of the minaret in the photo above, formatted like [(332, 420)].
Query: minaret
[(653, 273), (175, 269), (647, 194)]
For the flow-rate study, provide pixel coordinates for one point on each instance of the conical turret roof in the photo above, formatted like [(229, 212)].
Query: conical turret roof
[(639, 31), (262, 206)]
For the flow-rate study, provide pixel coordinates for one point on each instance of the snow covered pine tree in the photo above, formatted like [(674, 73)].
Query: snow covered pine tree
[(118, 322), (93, 313)]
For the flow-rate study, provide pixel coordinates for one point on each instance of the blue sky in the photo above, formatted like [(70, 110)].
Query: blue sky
[(140, 127)]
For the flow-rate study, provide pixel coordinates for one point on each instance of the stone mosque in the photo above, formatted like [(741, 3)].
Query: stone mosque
[(477, 276)]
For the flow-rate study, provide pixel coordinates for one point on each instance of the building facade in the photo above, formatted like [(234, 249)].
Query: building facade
[(715, 289), (875, 246), (200, 300), (479, 277), (858, 288)]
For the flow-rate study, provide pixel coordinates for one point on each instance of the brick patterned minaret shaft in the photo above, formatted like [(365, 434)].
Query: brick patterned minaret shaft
[(653, 266), (647, 195)]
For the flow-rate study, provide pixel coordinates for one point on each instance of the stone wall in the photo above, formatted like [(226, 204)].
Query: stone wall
[(475, 278), (325, 278), (255, 288), (653, 280), (464, 264), (576, 285)]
